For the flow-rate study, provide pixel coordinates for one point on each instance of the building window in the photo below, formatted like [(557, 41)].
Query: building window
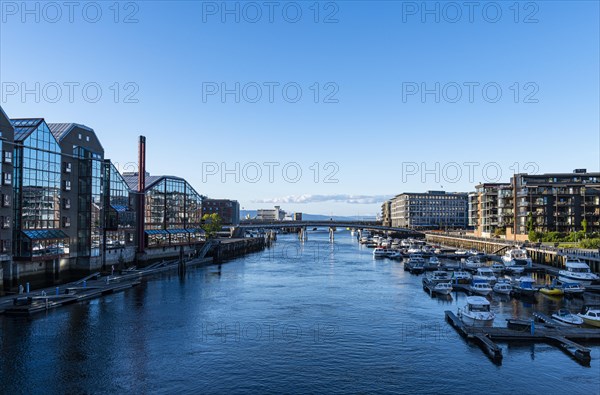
[(5, 222), (5, 246), (7, 156), (66, 222), (87, 138), (66, 203), (67, 185), (6, 178), (79, 136), (67, 167), (5, 200)]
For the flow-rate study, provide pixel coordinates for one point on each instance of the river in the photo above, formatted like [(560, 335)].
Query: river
[(296, 318)]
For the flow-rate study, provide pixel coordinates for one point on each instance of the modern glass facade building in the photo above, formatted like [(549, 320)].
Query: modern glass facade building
[(173, 210), (37, 192), (119, 222), (63, 206)]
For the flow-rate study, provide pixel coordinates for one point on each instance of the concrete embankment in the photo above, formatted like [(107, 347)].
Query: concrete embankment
[(543, 255), (216, 250)]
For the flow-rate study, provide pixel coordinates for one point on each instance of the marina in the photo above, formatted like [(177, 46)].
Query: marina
[(511, 277)]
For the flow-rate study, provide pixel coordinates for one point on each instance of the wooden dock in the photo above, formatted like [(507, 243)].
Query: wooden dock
[(528, 331), (93, 286)]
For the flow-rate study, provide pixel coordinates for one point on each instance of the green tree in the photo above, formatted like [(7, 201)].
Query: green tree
[(530, 222), (584, 226), (211, 223)]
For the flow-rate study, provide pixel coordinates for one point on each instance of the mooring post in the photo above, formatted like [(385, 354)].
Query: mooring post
[(27, 287)]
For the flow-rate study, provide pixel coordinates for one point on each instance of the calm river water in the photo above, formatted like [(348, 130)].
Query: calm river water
[(296, 318)]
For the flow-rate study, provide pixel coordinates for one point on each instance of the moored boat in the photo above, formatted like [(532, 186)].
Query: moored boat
[(380, 252), (566, 317), (497, 268), (434, 261), (525, 286), (503, 287), (591, 316), (394, 254), (573, 289), (461, 277), (577, 271), (443, 288), (476, 312), (516, 260), (480, 288), (473, 263), (551, 290), (485, 274)]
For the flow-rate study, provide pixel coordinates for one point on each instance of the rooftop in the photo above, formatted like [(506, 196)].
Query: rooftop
[(61, 130), (24, 127)]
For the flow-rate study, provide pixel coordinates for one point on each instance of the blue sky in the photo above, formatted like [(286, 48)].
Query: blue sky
[(370, 132)]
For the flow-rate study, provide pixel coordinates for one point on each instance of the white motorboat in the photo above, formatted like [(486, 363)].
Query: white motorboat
[(503, 287), (480, 288), (380, 252), (473, 262), (473, 251), (460, 252), (525, 286), (591, 316), (476, 312), (384, 243), (461, 276), (394, 254), (485, 274), (497, 268), (572, 288), (414, 249), (439, 276), (414, 260), (516, 260), (566, 317), (443, 288), (434, 261), (577, 271)]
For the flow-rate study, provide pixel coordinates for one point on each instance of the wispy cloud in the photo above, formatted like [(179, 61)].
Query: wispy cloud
[(342, 198)]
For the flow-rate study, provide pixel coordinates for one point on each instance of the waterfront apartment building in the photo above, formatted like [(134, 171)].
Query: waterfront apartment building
[(228, 210), (430, 210), (558, 202)]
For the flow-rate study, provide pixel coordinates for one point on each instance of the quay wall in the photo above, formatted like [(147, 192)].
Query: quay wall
[(227, 249), (551, 257), (57, 271)]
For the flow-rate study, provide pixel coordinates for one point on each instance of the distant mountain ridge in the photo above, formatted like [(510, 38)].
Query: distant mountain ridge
[(317, 217)]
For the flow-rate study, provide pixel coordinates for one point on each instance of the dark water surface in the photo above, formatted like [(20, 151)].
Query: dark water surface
[(297, 318)]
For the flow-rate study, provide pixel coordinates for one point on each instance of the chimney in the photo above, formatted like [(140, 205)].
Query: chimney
[(141, 194)]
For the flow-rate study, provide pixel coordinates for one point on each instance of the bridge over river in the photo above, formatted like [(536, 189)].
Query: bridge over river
[(331, 225)]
